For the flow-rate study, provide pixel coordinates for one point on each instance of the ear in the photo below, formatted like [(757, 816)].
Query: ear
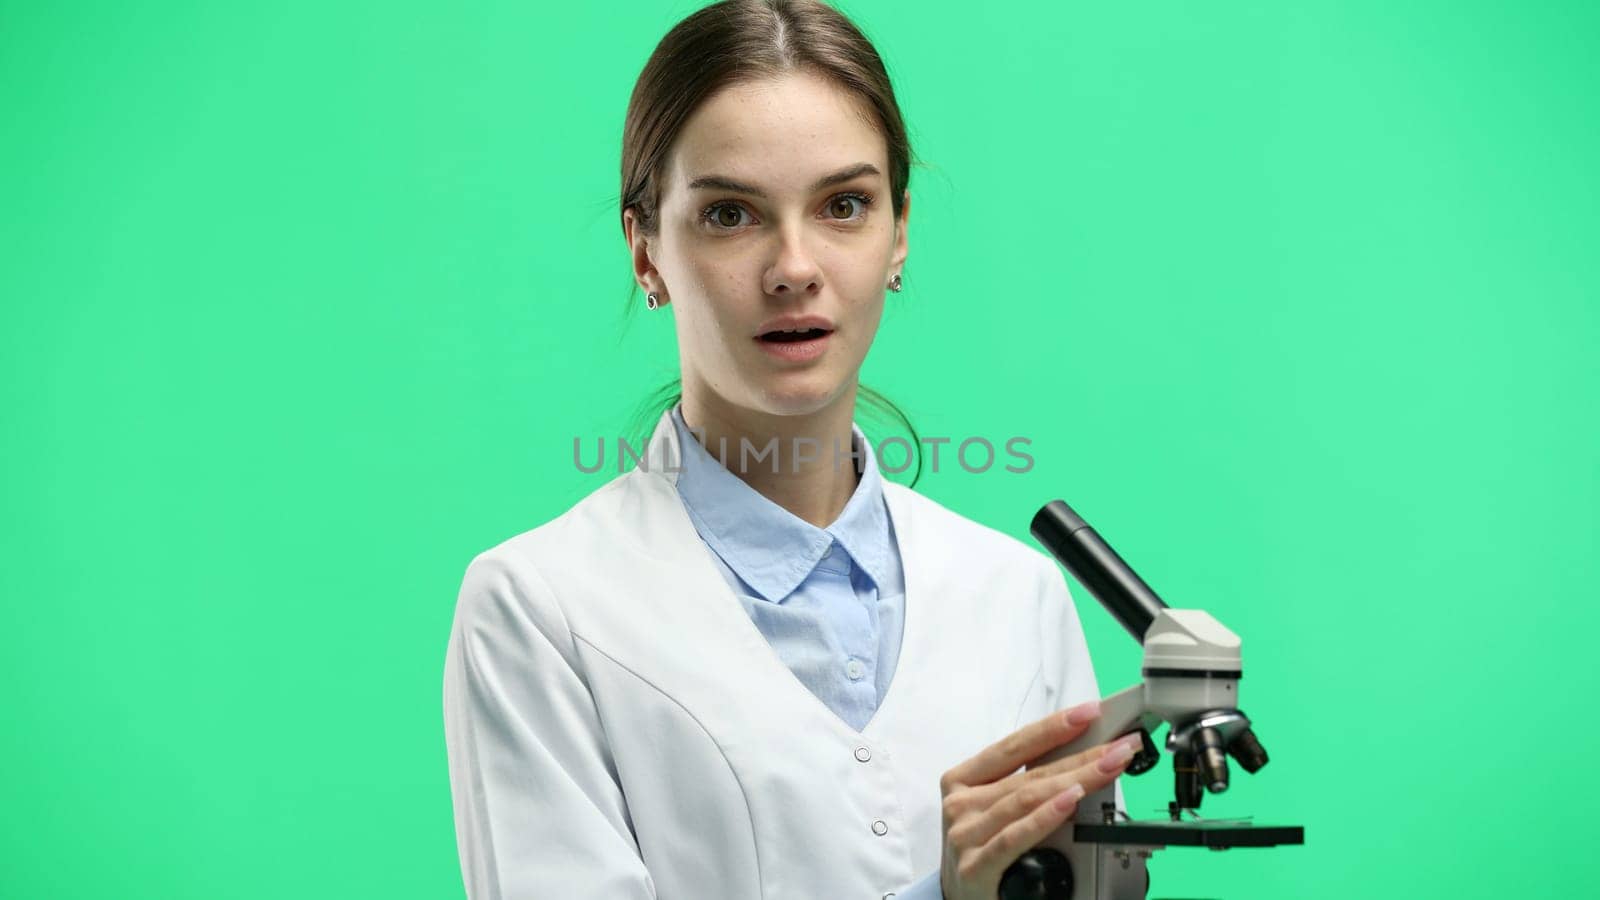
[(644, 270), (901, 247)]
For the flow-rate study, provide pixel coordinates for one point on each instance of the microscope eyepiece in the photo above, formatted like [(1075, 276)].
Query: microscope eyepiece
[(1097, 567)]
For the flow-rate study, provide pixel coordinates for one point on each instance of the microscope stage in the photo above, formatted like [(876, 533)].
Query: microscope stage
[(1218, 834)]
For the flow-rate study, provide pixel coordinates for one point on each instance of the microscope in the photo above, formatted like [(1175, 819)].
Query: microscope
[(1191, 682)]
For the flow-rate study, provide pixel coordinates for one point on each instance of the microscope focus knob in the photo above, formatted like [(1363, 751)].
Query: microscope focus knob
[(1145, 758), (1042, 873)]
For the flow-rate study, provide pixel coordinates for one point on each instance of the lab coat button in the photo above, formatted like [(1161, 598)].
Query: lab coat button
[(863, 754), (854, 669), (879, 828)]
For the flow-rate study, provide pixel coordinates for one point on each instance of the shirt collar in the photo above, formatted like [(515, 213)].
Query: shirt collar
[(772, 549)]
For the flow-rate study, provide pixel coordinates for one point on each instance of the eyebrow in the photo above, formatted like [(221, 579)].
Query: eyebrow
[(725, 183)]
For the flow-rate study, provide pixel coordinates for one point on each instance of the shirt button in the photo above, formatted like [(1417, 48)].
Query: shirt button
[(855, 669), (879, 828), (889, 896), (863, 754)]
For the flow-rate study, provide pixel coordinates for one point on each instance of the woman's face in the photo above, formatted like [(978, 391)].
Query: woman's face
[(750, 233)]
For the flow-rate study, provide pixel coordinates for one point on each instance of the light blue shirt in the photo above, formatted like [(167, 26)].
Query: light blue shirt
[(830, 601)]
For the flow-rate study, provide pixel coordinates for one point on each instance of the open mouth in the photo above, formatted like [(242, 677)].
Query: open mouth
[(790, 337)]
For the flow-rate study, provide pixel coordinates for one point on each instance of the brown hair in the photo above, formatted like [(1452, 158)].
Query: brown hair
[(734, 41)]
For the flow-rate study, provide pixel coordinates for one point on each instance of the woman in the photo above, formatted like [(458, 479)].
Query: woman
[(751, 667)]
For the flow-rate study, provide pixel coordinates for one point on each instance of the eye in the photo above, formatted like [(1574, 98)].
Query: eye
[(716, 214), (727, 216), (843, 201)]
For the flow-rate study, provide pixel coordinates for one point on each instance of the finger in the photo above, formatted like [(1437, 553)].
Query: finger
[(977, 828), (1025, 833), (1026, 796), (985, 795), (1068, 763), (1007, 754), (1100, 773)]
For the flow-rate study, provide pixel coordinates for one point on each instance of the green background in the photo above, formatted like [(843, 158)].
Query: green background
[(304, 305)]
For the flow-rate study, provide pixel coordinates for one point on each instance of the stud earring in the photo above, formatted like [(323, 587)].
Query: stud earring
[(894, 283), (652, 300)]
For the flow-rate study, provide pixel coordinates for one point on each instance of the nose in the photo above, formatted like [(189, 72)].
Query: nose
[(795, 272)]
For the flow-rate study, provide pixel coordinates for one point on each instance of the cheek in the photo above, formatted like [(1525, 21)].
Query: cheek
[(866, 285), (712, 312), (722, 289), (870, 317)]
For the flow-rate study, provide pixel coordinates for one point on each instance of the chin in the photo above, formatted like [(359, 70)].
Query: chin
[(799, 397)]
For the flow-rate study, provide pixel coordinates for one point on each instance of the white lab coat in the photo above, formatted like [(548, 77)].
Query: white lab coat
[(618, 728)]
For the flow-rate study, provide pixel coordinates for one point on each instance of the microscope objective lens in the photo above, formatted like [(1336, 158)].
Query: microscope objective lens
[(1213, 760)]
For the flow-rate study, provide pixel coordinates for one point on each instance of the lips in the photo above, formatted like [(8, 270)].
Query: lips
[(784, 337), (794, 328), (796, 347)]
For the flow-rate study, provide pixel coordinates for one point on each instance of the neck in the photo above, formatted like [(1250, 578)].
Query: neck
[(790, 460)]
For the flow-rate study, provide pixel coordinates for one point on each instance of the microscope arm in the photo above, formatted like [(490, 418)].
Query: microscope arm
[(1121, 713)]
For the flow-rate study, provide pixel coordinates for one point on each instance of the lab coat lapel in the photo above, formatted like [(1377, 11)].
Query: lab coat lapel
[(724, 663)]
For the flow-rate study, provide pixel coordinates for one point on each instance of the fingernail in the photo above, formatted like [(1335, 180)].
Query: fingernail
[(1068, 797), (1116, 759), (1134, 742), (1083, 712)]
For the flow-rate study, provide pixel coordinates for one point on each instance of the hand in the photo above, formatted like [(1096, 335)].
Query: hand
[(993, 814)]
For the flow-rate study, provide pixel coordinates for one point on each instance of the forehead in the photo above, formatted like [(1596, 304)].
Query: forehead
[(779, 134)]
